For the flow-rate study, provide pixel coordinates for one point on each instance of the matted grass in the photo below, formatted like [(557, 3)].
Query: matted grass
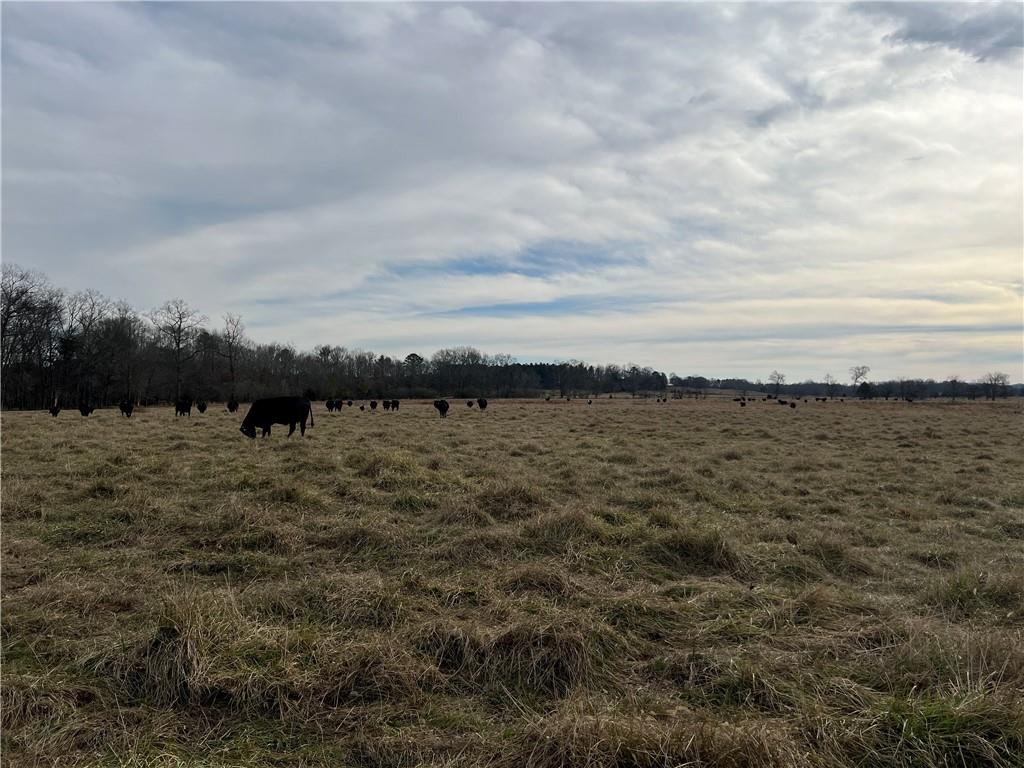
[(542, 584)]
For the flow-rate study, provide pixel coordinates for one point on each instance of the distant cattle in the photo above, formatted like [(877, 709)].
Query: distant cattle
[(183, 407), (349, 403), (481, 403), (792, 405), (201, 406), (783, 402), (547, 399), (590, 402), (330, 405), (373, 405), (469, 403), (54, 410), (127, 407), (386, 404), (442, 408), (85, 410), (232, 405), (743, 404), (362, 407), (394, 405), (277, 410)]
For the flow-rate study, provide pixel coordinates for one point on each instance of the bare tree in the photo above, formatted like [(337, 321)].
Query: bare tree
[(234, 337), (777, 380), (995, 384), (858, 372), (831, 384), (954, 386), (178, 324)]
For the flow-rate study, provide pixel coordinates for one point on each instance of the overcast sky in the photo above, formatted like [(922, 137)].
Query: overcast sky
[(704, 188)]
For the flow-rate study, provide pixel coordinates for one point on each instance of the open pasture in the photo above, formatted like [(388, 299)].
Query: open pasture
[(542, 584)]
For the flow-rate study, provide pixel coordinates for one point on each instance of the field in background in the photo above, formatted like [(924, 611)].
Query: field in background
[(542, 584)]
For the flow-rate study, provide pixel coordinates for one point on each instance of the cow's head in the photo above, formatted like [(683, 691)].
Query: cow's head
[(248, 430)]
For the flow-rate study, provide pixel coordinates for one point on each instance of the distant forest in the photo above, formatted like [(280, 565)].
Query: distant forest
[(84, 348)]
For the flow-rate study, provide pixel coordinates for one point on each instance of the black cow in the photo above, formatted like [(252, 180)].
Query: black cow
[(126, 406), (329, 405), (54, 410), (386, 404), (85, 410), (442, 408), (394, 405), (547, 399), (743, 404), (201, 406), (183, 407), (481, 403), (349, 403), (469, 403), (373, 405), (277, 410), (792, 405), (590, 402), (232, 405)]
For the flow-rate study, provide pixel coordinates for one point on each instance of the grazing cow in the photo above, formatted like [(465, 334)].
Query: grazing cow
[(783, 402), (743, 404), (792, 405), (126, 406), (349, 403), (547, 399), (737, 399), (590, 402), (232, 405), (183, 407), (277, 410), (481, 403), (54, 410), (386, 404), (373, 405), (394, 405), (362, 407), (85, 410), (469, 403), (201, 406), (442, 408)]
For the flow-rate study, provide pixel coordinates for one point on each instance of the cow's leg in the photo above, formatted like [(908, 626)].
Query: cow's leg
[(291, 429), (302, 427), (266, 432)]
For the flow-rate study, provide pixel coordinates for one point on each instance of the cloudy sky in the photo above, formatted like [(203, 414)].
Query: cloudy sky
[(704, 188)]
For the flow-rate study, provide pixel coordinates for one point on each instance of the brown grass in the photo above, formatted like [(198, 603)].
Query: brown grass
[(552, 585)]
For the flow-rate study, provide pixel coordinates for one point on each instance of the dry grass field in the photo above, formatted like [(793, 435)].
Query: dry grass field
[(628, 584)]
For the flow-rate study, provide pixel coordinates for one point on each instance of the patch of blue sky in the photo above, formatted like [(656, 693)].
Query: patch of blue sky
[(542, 260), (569, 305)]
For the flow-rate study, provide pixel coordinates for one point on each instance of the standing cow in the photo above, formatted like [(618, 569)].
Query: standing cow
[(183, 407), (442, 408), (277, 410), (127, 407)]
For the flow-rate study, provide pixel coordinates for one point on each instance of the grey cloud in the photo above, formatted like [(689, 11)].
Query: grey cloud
[(982, 30)]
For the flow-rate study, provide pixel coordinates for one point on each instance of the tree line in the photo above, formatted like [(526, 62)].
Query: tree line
[(83, 347)]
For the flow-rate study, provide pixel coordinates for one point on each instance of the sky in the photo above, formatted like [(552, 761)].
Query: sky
[(716, 189)]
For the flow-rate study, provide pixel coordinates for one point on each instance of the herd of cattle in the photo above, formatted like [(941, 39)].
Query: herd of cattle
[(294, 411), (290, 411)]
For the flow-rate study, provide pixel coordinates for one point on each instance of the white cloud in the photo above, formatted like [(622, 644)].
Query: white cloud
[(752, 183)]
